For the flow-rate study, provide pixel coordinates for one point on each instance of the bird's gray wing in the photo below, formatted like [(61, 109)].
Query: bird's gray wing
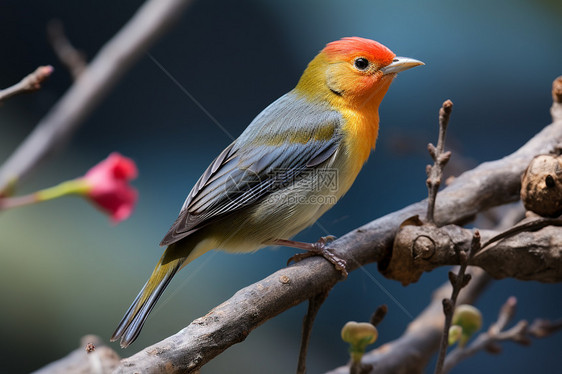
[(265, 158)]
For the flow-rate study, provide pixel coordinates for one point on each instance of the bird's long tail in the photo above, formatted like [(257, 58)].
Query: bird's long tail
[(171, 261)]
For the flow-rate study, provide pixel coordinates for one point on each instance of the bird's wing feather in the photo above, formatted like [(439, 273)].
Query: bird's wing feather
[(265, 158)]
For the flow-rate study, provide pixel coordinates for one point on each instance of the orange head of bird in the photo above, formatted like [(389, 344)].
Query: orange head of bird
[(353, 69)]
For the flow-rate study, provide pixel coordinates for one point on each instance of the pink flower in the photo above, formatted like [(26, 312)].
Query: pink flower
[(108, 186)]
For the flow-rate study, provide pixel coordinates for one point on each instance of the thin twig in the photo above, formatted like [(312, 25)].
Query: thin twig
[(411, 352), (458, 281), (440, 158), (127, 46), (378, 315), (529, 226), (541, 328), (507, 311), (17, 201), (314, 305), (358, 366), (32, 82), (520, 333), (556, 109), (73, 59)]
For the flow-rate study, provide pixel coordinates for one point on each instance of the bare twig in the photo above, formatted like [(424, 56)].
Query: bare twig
[(529, 226), (541, 328), (74, 60), (30, 83), (379, 315), (520, 333), (314, 305), (149, 23), (410, 353), (16, 202), (556, 109), (507, 311), (440, 158), (458, 281), (357, 366)]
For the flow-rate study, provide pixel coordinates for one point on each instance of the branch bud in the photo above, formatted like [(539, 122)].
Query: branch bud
[(470, 319)]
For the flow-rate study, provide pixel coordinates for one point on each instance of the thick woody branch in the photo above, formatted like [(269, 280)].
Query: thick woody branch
[(490, 184), (91, 357), (32, 82), (112, 61), (528, 251)]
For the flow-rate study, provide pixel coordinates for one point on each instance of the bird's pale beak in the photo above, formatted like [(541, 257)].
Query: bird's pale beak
[(400, 64)]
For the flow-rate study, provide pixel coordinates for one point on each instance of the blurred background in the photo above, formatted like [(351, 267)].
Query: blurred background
[(65, 271)]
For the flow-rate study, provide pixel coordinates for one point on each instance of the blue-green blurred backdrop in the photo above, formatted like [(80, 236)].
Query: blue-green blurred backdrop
[(66, 272)]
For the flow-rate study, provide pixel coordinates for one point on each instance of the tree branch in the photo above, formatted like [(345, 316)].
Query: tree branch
[(458, 282), (440, 158), (112, 61), (556, 110), (91, 357), (527, 251), (314, 305), (490, 184), (74, 60), (31, 82)]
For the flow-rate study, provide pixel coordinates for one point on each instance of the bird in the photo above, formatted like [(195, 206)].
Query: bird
[(291, 164)]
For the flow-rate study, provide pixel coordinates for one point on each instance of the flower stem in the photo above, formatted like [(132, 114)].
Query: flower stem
[(72, 187)]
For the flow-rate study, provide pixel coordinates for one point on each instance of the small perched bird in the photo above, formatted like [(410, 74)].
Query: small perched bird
[(290, 165)]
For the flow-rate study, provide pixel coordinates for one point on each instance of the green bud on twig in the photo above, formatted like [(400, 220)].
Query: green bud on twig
[(469, 319), (359, 335)]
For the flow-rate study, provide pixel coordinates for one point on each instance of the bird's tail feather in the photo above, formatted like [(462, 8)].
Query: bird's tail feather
[(130, 326)]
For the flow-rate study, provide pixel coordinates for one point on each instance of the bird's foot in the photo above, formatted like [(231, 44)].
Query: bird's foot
[(319, 248)]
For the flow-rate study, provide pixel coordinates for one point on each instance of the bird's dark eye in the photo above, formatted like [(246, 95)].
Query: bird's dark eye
[(361, 63)]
